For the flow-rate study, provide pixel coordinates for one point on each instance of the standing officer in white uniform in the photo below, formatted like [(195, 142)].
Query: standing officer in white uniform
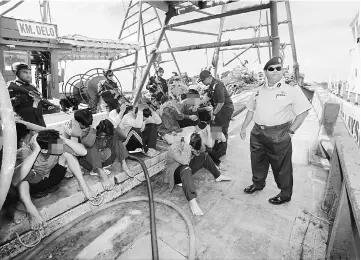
[(278, 110)]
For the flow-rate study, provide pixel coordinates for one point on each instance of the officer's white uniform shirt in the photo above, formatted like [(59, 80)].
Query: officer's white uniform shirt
[(277, 105)]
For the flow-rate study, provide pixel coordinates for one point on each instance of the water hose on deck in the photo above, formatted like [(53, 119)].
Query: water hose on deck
[(47, 241), (153, 230), (192, 240)]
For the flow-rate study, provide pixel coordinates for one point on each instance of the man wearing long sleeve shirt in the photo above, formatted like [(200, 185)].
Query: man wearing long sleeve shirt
[(139, 136)]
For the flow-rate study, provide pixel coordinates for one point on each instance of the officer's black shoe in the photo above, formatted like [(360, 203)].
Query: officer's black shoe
[(277, 200), (251, 189)]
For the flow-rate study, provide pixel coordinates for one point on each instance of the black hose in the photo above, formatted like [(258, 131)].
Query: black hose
[(154, 242), (153, 230)]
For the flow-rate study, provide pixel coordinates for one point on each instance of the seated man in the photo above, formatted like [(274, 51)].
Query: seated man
[(150, 130), (184, 160), (171, 115), (104, 145), (140, 127), (213, 142), (41, 166)]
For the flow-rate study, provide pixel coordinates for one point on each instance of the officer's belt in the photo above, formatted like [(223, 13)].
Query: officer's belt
[(264, 127)]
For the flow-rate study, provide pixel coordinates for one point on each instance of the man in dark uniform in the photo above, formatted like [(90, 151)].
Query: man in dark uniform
[(25, 98), (157, 84), (220, 99), (278, 110), (108, 90)]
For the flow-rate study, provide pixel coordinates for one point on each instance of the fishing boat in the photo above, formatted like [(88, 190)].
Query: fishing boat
[(139, 218)]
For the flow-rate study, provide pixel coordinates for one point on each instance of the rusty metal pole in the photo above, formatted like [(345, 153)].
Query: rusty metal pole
[(292, 39), (121, 30), (144, 41), (166, 38), (269, 44), (274, 29), (137, 52), (216, 51), (153, 54)]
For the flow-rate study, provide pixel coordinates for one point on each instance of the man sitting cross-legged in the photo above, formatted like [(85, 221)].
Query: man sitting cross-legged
[(103, 143), (183, 161), (41, 166)]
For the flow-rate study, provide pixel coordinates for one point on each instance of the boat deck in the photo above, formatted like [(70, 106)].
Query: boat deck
[(235, 225)]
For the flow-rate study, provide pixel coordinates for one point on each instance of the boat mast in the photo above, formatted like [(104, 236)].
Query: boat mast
[(45, 12)]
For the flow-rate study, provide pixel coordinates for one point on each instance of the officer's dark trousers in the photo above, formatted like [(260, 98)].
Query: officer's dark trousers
[(223, 118), (272, 145), (183, 174)]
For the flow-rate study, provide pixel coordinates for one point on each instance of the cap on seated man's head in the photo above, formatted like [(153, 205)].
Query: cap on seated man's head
[(203, 75), (273, 61)]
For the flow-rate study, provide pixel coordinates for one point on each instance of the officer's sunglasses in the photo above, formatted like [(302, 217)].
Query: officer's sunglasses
[(110, 75), (272, 68)]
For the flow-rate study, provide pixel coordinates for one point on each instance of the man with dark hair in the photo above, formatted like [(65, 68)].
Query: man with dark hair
[(41, 165), (104, 145), (157, 84), (25, 98), (183, 161), (149, 129), (108, 90), (140, 125), (221, 101)]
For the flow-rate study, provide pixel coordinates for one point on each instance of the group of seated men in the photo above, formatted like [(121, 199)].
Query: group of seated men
[(87, 146)]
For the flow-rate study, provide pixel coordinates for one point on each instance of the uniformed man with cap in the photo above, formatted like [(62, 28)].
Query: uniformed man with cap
[(27, 101), (278, 110), (220, 99)]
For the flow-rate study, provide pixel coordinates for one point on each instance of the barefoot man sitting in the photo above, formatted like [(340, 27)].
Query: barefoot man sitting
[(103, 143), (183, 161), (42, 165)]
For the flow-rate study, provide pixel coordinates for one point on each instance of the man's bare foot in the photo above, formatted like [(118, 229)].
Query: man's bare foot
[(151, 153), (195, 208), (127, 170), (106, 181), (36, 221), (117, 166), (223, 178), (155, 152)]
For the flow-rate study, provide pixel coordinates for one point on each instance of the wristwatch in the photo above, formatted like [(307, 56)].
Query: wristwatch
[(291, 132)]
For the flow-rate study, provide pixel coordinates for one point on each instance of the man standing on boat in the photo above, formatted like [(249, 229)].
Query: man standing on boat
[(157, 84), (278, 110), (108, 90), (27, 101), (220, 99)]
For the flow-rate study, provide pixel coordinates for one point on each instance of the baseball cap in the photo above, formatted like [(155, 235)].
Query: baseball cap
[(204, 74)]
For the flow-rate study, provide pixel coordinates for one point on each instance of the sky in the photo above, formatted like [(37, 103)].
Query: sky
[(321, 28)]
